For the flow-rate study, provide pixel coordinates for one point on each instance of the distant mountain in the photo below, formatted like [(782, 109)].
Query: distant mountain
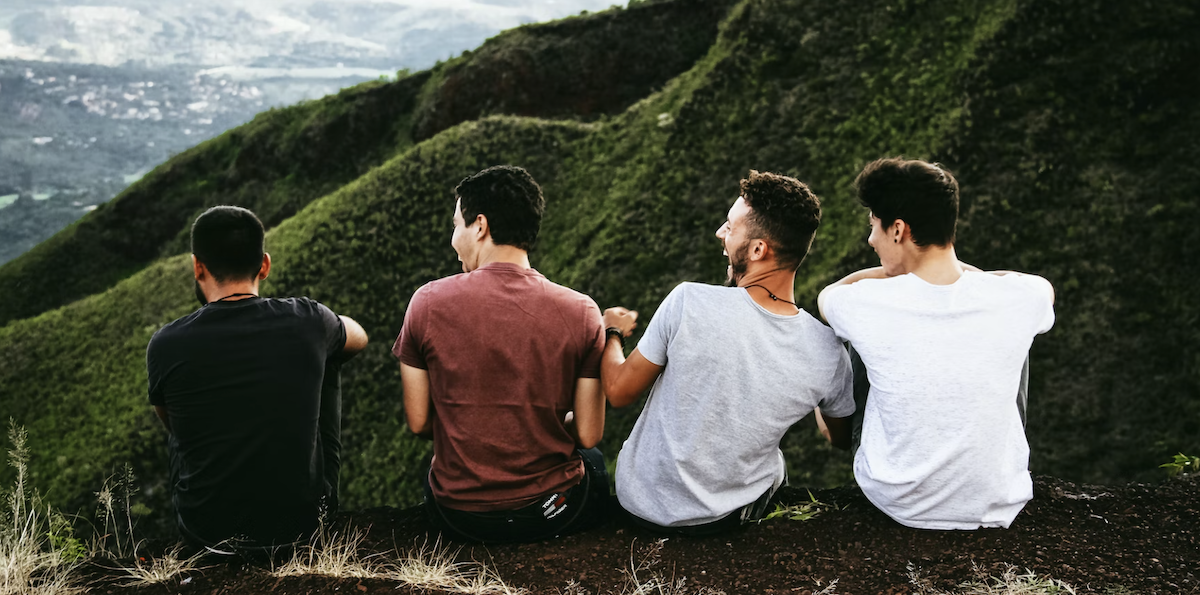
[(376, 34), (93, 94)]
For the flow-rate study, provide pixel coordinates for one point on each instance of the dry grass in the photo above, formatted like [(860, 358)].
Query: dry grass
[(31, 562), (162, 569), (643, 577), (339, 555), (1010, 582)]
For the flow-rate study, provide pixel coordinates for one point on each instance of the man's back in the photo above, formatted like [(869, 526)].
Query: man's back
[(943, 446), (735, 378), (241, 382), (503, 347)]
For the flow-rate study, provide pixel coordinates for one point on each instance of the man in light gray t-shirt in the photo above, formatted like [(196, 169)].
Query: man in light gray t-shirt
[(732, 369)]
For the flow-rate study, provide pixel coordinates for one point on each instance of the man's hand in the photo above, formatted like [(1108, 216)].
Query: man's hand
[(620, 318), (624, 380), (836, 430)]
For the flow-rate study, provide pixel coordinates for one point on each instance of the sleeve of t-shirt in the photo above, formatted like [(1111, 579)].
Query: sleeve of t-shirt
[(335, 331), (408, 345), (154, 376), (839, 397), (834, 310), (593, 341), (1042, 305), (662, 328)]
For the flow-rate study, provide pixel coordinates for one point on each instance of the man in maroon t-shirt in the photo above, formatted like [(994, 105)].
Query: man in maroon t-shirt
[(501, 368)]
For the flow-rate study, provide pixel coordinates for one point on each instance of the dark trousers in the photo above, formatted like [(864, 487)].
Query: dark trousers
[(551, 515), (749, 513), (862, 387)]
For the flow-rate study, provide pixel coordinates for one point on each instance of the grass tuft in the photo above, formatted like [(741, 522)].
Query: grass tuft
[(1010, 582), (154, 571), (34, 555), (339, 555), (799, 512)]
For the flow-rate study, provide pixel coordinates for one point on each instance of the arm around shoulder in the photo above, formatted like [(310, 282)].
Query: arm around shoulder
[(852, 278)]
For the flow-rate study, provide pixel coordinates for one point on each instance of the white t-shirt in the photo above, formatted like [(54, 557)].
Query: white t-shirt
[(736, 377), (942, 442)]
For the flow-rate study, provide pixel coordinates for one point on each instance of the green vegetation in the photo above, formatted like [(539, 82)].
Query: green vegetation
[(799, 512), (1069, 123), (38, 552), (1182, 464)]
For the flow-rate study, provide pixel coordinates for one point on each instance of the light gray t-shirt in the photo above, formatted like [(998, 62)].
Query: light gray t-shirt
[(942, 442), (736, 377)]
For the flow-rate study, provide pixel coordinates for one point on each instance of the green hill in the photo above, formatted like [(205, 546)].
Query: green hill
[(1070, 123), (583, 68)]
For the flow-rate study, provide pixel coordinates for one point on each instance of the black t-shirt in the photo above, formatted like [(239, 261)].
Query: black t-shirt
[(242, 385)]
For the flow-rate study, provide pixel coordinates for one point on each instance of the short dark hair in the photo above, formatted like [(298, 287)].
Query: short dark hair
[(924, 195), (510, 199), (229, 241), (784, 212)]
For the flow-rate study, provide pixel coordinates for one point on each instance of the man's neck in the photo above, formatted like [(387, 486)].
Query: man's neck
[(776, 282), (241, 289), (507, 254), (936, 265)]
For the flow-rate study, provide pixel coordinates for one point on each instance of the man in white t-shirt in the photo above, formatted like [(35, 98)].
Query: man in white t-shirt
[(732, 369), (944, 347)]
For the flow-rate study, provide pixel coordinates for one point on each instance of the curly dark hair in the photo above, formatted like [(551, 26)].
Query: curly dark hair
[(924, 195), (510, 199), (784, 212), (229, 241)]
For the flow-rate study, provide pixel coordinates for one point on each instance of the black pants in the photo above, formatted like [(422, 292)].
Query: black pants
[(750, 513), (551, 515)]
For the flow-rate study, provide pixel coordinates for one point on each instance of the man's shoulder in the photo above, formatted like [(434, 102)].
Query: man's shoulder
[(565, 294), (174, 329), (703, 291)]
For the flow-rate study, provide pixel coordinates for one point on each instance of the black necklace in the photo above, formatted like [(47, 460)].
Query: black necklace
[(773, 296), (233, 295)]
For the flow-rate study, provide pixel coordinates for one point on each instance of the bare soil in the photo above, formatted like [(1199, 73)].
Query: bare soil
[(1131, 539)]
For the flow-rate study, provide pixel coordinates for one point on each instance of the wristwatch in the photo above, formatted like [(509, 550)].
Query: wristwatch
[(615, 332)]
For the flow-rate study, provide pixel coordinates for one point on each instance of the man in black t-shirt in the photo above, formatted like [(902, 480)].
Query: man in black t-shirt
[(248, 389)]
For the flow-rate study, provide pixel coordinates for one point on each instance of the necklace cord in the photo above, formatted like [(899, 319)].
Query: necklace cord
[(233, 295), (773, 296)]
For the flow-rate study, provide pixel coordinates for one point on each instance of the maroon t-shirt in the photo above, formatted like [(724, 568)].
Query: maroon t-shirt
[(503, 347)]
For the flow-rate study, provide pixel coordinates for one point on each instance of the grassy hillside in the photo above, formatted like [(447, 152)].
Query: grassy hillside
[(1068, 123), (582, 67)]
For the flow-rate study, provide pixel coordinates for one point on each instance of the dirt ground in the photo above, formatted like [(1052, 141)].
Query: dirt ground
[(1131, 539)]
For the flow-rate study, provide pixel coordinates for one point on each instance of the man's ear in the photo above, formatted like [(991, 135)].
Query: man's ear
[(265, 269), (899, 231), (483, 230), (759, 249), (198, 269)]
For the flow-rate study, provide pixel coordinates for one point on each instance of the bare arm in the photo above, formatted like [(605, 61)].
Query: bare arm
[(855, 277), (161, 412), (416, 400), (356, 337), (624, 379), (586, 422), (835, 429)]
